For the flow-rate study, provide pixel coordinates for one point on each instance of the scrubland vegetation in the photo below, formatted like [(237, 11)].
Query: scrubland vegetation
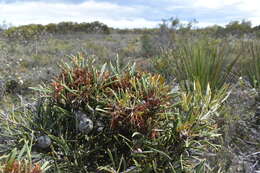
[(89, 98)]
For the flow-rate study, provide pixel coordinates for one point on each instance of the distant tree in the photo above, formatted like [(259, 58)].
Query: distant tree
[(257, 27), (33, 31), (51, 28), (214, 30), (167, 32), (238, 28)]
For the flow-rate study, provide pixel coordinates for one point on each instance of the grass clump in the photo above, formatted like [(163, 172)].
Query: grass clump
[(251, 68), (204, 61), (114, 119)]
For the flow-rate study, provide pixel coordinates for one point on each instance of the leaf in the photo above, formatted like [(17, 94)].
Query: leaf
[(160, 152)]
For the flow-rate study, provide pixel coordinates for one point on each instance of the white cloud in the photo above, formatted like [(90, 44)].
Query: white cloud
[(137, 14), (205, 24), (215, 4), (20, 13), (249, 5), (135, 23), (251, 9), (221, 11), (248, 9)]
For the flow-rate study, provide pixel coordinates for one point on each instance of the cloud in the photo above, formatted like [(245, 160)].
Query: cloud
[(218, 11), (216, 4), (115, 15), (128, 14)]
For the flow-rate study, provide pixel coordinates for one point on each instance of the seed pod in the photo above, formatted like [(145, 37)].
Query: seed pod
[(84, 124), (43, 142), (100, 126)]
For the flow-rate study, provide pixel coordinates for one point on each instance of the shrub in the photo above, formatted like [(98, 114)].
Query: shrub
[(21, 162), (148, 48), (196, 123), (26, 33), (164, 64), (116, 119), (238, 27)]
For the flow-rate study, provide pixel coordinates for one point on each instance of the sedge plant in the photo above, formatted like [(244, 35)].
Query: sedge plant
[(203, 60), (251, 68)]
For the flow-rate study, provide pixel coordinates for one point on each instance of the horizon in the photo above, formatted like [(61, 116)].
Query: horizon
[(128, 14)]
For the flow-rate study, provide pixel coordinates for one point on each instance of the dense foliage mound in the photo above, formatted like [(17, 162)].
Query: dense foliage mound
[(116, 119), (35, 31)]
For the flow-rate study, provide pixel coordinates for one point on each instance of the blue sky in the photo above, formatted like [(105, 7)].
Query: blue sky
[(129, 13)]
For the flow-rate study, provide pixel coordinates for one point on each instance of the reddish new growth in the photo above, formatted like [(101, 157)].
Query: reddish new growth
[(123, 82), (21, 167), (79, 80), (57, 90), (142, 117), (141, 106)]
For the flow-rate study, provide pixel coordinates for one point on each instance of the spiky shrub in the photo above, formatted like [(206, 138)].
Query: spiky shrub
[(119, 102), (132, 121), (131, 99), (21, 162)]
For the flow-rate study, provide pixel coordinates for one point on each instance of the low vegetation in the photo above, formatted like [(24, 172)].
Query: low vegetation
[(170, 99)]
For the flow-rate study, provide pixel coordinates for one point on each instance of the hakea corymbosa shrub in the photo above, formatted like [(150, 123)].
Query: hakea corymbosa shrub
[(133, 100), (134, 120)]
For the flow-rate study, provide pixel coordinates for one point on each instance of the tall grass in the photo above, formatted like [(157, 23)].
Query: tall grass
[(251, 68), (204, 61)]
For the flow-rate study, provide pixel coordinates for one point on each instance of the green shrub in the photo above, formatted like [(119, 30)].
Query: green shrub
[(148, 48), (34, 32), (116, 119), (164, 64), (24, 33), (197, 124)]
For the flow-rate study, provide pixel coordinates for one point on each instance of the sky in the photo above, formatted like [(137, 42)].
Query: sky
[(129, 13)]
